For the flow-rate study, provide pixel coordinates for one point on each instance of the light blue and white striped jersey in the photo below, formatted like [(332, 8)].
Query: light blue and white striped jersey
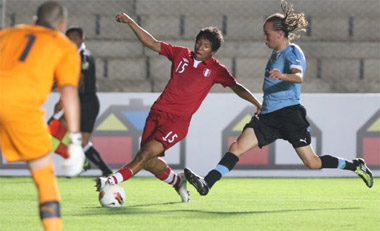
[(278, 93)]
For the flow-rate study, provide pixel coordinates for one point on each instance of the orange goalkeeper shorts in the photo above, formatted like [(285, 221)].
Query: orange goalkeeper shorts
[(24, 138)]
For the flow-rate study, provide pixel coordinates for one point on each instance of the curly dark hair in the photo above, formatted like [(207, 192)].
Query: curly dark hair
[(290, 23), (213, 34)]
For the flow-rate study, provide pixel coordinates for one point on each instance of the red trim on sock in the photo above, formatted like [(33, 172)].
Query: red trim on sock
[(165, 175), (178, 181), (126, 173), (173, 180)]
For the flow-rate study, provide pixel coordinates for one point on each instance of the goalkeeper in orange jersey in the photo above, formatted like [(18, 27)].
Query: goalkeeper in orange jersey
[(31, 57)]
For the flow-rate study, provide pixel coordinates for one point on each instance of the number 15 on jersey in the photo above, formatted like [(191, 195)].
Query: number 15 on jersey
[(170, 137)]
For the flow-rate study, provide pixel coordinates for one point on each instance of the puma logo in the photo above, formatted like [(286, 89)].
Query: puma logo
[(303, 140)]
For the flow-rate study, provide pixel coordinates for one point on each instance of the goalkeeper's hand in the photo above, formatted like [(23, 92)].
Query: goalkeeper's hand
[(73, 165)]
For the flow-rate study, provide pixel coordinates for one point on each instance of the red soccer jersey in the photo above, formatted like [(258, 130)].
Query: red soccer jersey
[(189, 85)]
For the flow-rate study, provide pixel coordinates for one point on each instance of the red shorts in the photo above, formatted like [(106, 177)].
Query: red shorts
[(166, 128)]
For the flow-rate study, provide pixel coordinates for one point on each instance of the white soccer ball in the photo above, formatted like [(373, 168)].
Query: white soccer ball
[(112, 196)]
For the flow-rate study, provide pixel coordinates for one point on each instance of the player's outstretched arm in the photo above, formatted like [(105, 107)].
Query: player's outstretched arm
[(244, 93), (73, 165), (145, 38)]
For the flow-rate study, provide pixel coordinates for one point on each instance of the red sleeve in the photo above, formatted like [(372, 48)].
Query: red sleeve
[(167, 50), (171, 51), (225, 77)]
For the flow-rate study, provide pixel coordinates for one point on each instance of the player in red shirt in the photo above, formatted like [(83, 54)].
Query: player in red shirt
[(193, 73)]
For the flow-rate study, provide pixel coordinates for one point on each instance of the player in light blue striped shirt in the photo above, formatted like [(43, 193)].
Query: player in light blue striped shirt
[(282, 116), (278, 92)]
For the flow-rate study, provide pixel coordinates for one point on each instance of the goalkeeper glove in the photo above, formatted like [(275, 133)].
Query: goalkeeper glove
[(73, 165)]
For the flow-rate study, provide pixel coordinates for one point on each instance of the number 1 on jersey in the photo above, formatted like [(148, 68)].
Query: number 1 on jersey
[(31, 38)]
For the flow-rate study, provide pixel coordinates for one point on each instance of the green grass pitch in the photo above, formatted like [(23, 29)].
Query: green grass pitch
[(234, 204)]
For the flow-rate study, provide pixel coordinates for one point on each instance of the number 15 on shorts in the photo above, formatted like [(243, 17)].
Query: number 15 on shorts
[(170, 137)]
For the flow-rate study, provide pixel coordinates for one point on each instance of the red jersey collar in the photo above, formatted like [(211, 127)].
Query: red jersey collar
[(206, 62)]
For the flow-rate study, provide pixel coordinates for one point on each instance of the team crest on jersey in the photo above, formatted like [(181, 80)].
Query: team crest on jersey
[(206, 72)]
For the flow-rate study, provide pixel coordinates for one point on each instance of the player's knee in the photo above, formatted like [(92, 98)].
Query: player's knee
[(144, 156), (150, 164), (141, 158), (236, 148), (312, 164)]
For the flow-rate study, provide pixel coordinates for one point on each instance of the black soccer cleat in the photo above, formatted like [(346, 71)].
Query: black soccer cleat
[(197, 181), (363, 172)]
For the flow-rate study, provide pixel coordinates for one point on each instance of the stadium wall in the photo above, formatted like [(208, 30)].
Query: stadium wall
[(346, 125), (341, 45)]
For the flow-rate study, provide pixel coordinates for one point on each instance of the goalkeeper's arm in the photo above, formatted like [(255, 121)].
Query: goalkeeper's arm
[(74, 164)]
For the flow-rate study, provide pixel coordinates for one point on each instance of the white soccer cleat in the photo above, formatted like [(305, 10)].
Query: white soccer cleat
[(101, 182), (182, 189)]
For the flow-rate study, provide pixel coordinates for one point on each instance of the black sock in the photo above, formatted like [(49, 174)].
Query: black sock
[(212, 177), (350, 165), (93, 155), (329, 161), (225, 165), (336, 162)]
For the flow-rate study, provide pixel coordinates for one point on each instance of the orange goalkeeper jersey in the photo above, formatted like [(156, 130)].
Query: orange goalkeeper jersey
[(31, 57)]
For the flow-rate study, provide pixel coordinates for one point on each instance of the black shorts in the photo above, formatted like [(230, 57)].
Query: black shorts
[(89, 110), (288, 123)]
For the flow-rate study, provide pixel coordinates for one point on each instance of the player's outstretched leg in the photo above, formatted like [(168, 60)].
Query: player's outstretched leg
[(203, 185), (121, 175), (197, 181), (363, 172)]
